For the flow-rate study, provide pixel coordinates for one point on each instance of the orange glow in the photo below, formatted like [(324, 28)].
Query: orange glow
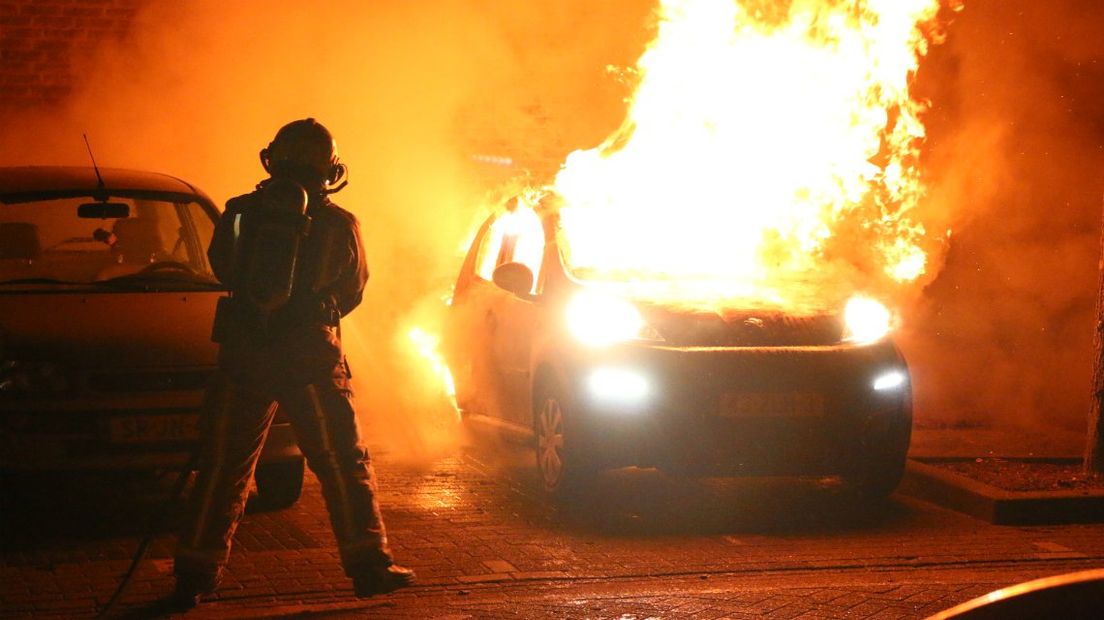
[(598, 320), (752, 139), (425, 344), (520, 227), (867, 320)]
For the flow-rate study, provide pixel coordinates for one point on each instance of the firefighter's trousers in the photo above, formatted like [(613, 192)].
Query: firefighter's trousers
[(235, 422)]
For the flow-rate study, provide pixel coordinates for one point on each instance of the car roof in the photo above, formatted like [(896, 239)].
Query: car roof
[(21, 183)]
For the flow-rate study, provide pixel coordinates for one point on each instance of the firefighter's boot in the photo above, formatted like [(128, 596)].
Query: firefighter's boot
[(381, 579)]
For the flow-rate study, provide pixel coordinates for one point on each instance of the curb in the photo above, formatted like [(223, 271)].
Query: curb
[(998, 506)]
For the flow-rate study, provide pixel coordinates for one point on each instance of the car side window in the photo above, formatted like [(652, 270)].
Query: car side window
[(490, 246), (196, 230), (515, 236)]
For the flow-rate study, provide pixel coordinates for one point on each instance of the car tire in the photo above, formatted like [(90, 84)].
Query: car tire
[(279, 485), (882, 466), (877, 480), (562, 466)]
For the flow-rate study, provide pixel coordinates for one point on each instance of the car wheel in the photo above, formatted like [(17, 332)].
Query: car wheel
[(877, 479), (562, 466), (882, 466), (278, 485)]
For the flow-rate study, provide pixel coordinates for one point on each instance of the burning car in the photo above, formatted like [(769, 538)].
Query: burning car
[(697, 291), (599, 374), (106, 307)]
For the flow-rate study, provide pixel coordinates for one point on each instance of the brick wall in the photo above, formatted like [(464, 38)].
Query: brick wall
[(39, 39)]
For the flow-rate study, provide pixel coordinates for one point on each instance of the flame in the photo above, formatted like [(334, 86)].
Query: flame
[(769, 155), (763, 141), (867, 319), (425, 344), (520, 230)]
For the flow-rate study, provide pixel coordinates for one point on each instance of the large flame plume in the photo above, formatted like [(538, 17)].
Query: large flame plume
[(763, 141)]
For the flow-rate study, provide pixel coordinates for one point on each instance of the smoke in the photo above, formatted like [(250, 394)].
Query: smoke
[(411, 91), (1003, 334)]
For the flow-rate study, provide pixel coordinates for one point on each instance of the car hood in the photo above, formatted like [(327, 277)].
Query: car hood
[(109, 330), (691, 313), (755, 327)]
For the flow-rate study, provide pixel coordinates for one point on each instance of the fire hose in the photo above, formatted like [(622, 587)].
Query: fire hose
[(151, 530)]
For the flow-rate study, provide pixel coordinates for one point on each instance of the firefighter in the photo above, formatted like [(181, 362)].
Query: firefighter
[(294, 264)]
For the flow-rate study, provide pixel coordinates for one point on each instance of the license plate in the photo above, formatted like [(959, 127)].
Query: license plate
[(147, 428), (772, 404)]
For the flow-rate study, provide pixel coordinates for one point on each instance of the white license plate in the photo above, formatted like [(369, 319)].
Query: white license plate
[(772, 404), (146, 428)]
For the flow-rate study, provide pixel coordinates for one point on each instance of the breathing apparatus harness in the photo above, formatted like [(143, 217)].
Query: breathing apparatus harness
[(269, 234)]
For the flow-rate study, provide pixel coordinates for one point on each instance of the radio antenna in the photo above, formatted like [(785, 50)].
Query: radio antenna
[(99, 179)]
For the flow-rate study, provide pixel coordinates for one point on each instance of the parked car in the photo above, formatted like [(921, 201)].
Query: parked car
[(597, 378), (106, 307), (1070, 596)]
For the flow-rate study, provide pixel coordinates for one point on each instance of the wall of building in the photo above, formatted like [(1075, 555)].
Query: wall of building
[(41, 40)]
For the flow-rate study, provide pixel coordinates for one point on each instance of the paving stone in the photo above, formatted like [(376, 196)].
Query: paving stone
[(516, 558)]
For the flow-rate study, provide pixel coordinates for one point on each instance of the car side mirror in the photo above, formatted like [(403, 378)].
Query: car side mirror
[(514, 277)]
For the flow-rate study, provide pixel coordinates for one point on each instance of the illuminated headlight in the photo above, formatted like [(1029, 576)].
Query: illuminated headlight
[(618, 386), (599, 320), (865, 320), (889, 381), (25, 377)]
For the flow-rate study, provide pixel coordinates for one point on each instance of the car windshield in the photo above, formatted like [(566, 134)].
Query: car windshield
[(158, 244)]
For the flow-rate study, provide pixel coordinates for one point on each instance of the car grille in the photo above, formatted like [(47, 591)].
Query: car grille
[(748, 329), (79, 424), (92, 424), (92, 449)]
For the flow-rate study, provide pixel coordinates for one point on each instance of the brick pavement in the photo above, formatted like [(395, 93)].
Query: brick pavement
[(484, 546)]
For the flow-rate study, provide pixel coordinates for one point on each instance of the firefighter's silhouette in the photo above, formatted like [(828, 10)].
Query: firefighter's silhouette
[(295, 265)]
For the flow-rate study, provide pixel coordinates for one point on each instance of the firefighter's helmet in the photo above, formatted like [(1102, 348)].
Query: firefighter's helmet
[(305, 151)]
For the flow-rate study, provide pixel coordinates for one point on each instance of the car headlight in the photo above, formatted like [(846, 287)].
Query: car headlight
[(599, 320), (865, 320), (618, 386), (27, 377), (889, 381)]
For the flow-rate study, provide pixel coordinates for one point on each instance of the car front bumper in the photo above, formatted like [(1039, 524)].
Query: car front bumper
[(744, 410), (85, 435)]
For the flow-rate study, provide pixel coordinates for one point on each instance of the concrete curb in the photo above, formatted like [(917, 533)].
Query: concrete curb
[(998, 506)]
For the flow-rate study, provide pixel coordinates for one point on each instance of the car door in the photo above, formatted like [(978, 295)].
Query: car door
[(490, 329), (513, 317), (466, 345)]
